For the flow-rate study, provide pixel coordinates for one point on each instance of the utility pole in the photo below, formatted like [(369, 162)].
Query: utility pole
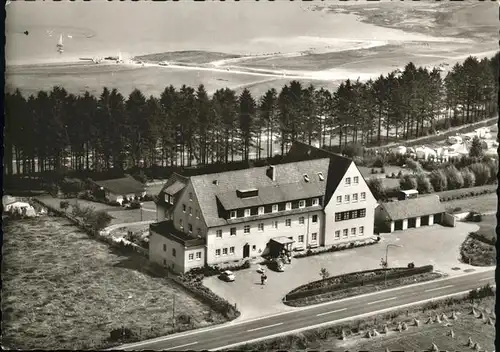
[(386, 262)]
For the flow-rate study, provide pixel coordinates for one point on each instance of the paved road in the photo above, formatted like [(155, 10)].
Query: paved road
[(230, 335)]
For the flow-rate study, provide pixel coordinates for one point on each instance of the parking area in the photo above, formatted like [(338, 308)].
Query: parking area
[(434, 245)]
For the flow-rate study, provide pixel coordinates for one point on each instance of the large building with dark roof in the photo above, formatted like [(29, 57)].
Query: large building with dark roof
[(315, 198)]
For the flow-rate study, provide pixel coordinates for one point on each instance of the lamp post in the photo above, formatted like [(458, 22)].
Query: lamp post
[(386, 263)]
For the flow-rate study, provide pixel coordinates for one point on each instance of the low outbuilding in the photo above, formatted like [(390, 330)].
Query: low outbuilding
[(116, 190)]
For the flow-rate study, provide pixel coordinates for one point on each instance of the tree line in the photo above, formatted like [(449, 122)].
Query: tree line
[(182, 127)]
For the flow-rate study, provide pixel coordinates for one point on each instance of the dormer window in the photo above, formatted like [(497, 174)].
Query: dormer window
[(321, 177), (275, 208), (232, 214), (302, 203), (247, 212), (315, 202), (306, 178), (261, 210), (288, 206), (171, 199), (166, 198), (190, 196)]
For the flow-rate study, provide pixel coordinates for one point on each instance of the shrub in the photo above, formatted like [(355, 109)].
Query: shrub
[(113, 203), (374, 171), (481, 173), (376, 187), (63, 204), (485, 291), (135, 204), (148, 198), (476, 149), (393, 175), (424, 184), (454, 178), (324, 274), (353, 149), (379, 162), (408, 182), (414, 166), (468, 177), (438, 180), (382, 170), (400, 174), (141, 176), (493, 166)]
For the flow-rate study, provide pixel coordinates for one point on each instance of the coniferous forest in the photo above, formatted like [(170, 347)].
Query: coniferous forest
[(183, 127)]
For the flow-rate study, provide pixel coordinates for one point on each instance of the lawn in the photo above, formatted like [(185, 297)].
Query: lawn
[(63, 290), (481, 204), (487, 227)]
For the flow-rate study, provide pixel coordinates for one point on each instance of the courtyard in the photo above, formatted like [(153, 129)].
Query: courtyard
[(436, 245)]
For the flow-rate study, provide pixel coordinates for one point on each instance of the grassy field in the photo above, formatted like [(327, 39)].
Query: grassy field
[(415, 338), (62, 290), (193, 57), (466, 191), (487, 227), (481, 204)]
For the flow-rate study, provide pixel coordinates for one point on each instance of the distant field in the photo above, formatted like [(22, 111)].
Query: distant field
[(194, 57), (63, 290), (481, 204)]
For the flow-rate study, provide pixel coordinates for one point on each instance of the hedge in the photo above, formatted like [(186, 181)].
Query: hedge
[(378, 277), (338, 247), (466, 193)]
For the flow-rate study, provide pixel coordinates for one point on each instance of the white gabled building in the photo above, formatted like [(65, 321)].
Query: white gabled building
[(316, 199)]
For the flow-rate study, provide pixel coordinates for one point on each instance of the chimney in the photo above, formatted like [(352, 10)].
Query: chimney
[(271, 172)]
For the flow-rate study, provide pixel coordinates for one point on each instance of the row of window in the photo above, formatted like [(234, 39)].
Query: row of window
[(190, 210), (354, 230), (355, 180), (347, 198), (260, 226), (233, 214), (350, 214), (190, 255)]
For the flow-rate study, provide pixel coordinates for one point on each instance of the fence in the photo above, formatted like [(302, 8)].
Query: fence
[(403, 272)]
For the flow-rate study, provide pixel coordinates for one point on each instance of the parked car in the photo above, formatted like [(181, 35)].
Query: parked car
[(227, 276)]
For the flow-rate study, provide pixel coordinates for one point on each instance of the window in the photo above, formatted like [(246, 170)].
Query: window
[(346, 215), (314, 236), (338, 216), (224, 251), (347, 198), (198, 231), (288, 222), (190, 196), (337, 234), (261, 227), (355, 197), (233, 231), (354, 214), (183, 208), (218, 234), (164, 247), (173, 252), (275, 224), (190, 227), (363, 195), (171, 200), (198, 255), (347, 181), (190, 211), (231, 250), (302, 203), (232, 214), (254, 248), (339, 199), (180, 223), (301, 238), (362, 213), (356, 180), (301, 220), (167, 198), (247, 212), (191, 256), (288, 206), (315, 218), (261, 210), (315, 202), (246, 229), (321, 177), (361, 230), (164, 262), (353, 231), (217, 252), (275, 208), (197, 214), (346, 232)]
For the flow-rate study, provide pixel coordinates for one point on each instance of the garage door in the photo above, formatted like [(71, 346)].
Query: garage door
[(424, 220), (438, 218), (398, 225), (412, 222)]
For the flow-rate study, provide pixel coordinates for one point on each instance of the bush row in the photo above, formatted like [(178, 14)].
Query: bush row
[(467, 194), (478, 237), (212, 270), (366, 277), (337, 247), (475, 251)]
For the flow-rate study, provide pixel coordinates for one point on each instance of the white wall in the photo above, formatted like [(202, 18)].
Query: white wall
[(261, 238), (332, 207)]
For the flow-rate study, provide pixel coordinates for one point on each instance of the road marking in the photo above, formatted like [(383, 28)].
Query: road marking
[(488, 278), (438, 288), (333, 311), (382, 300), (187, 344), (264, 327)]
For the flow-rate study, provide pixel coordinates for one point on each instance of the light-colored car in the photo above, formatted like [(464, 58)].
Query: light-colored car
[(228, 276)]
